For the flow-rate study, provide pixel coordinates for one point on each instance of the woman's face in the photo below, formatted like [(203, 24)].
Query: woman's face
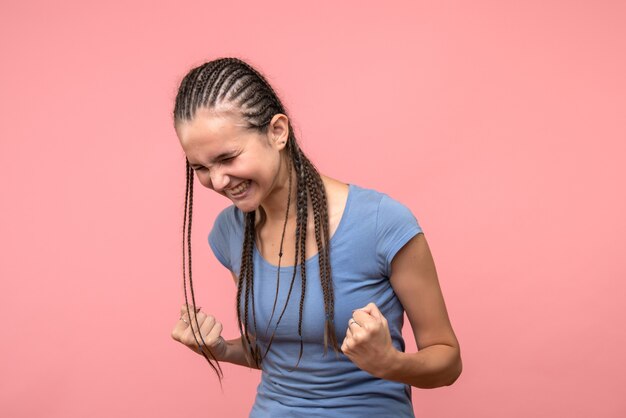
[(240, 164)]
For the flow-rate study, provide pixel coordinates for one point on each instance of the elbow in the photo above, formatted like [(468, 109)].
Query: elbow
[(445, 377), (455, 371)]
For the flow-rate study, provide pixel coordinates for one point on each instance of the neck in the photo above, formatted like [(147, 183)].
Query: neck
[(275, 205)]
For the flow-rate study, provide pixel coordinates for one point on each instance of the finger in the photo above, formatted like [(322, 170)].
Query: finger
[(201, 316), (179, 330), (207, 325), (183, 309), (183, 323), (370, 308), (193, 338), (373, 310), (193, 328), (362, 317), (353, 324), (213, 338), (344, 346), (375, 314), (214, 333), (349, 333)]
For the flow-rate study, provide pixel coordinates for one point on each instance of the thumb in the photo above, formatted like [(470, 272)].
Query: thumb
[(373, 310)]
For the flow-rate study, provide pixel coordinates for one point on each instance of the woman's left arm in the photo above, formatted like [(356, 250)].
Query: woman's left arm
[(414, 280), (368, 341)]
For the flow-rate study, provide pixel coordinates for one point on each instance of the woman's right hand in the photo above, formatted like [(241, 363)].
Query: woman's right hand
[(210, 329)]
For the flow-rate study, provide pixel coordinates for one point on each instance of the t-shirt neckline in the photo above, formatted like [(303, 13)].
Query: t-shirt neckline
[(314, 257)]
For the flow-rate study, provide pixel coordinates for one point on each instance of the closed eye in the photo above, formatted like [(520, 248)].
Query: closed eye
[(223, 160)]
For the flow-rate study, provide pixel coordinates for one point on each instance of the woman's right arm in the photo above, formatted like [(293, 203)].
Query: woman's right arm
[(232, 351), (236, 351)]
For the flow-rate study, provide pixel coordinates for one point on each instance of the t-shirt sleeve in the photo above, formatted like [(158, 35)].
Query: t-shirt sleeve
[(219, 239), (395, 226)]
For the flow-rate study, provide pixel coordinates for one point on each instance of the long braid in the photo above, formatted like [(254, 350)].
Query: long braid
[(316, 190), (251, 216), (300, 253), (247, 275), (303, 212), (280, 254), (189, 207), (322, 238), (228, 83)]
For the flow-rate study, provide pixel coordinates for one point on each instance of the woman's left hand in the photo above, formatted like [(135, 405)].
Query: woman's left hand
[(368, 341)]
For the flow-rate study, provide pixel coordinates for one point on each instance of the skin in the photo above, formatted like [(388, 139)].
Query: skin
[(262, 159)]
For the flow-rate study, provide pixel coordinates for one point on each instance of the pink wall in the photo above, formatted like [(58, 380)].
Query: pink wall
[(501, 124)]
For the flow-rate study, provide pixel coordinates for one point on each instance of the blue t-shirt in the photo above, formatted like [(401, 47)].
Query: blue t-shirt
[(373, 228)]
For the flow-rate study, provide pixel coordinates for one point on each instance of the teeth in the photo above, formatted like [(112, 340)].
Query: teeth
[(240, 189)]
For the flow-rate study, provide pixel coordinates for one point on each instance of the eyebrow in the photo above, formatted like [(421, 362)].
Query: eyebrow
[(219, 157)]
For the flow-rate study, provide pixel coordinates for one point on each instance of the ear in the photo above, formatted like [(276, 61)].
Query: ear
[(278, 131)]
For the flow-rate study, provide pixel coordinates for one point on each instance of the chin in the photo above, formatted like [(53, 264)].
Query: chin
[(246, 206)]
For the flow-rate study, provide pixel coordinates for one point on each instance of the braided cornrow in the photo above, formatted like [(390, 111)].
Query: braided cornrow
[(233, 83), (189, 209)]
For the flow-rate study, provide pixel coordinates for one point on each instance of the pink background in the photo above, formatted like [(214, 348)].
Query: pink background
[(501, 124)]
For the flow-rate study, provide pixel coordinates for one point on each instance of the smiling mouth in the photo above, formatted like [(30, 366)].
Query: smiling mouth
[(239, 189)]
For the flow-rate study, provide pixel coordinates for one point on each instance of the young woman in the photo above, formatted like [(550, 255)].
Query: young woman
[(324, 270)]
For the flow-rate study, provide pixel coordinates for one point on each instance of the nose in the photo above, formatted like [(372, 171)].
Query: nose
[(219, 180)]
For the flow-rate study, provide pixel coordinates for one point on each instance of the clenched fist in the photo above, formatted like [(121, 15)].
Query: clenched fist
[(368, 340), (210, 330)]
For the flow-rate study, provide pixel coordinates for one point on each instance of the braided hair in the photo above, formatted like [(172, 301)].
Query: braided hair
[(234, 83)]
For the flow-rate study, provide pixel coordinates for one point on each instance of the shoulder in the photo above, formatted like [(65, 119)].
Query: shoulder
[(230, 215), (395, 226), (380, 208), (228, 222), (367, 201), (225, 238), (337, 193), (380, 201), (335, 189)]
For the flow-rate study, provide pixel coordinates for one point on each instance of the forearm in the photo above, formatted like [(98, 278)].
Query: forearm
[(433, 366), (237, 353)]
